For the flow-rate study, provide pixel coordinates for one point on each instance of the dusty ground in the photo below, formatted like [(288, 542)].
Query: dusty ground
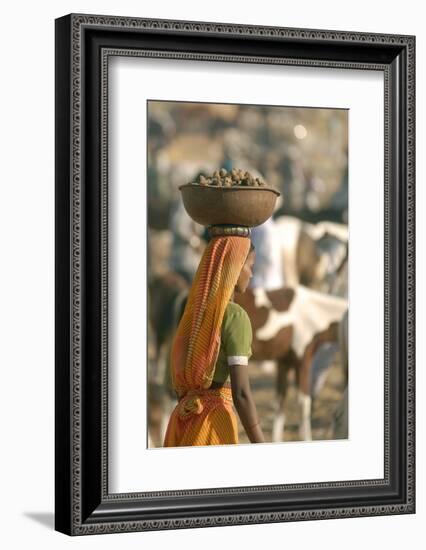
[(263, 388)]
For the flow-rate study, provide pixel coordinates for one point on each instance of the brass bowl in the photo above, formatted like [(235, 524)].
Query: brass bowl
[(237, 205)]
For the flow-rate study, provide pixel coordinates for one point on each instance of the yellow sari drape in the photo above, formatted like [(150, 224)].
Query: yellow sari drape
[(205, 416)]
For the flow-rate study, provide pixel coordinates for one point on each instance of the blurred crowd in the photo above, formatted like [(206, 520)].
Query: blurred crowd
[(302, 152)]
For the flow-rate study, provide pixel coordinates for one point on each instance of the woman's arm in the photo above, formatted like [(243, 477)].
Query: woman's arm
[(244, 403)]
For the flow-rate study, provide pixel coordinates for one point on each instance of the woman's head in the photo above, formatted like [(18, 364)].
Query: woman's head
[(246, 272)]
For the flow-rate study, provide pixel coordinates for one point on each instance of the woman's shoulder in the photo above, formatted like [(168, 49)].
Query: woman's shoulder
[(235, 313), (236, 332), (234, 308)]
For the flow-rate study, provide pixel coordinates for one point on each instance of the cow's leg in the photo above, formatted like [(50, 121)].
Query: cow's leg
[(304, 392), (169, 405), (169, 399), (155, 401), (155, 414), (159, 401), (305, 399), (278, 425), (279, 418), (340, 418), (305, 402)]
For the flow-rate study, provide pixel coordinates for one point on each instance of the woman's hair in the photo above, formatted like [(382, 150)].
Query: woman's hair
[(251, 247)]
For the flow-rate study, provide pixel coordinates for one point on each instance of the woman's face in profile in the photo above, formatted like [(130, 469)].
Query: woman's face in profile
[(246, 273)]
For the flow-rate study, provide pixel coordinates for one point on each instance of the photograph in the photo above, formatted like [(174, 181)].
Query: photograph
[(247, 273)]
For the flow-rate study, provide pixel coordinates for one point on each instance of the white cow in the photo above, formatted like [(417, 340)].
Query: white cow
[(311, 251), (289, 325)]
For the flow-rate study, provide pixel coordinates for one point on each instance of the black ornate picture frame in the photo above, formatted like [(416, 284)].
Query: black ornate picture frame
[(83, 504)]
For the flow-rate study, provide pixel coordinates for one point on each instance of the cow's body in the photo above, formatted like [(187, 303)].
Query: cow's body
[(311, 253), (289, 325)]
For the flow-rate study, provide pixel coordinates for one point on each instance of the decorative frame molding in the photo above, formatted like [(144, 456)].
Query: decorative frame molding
[(84, 43)]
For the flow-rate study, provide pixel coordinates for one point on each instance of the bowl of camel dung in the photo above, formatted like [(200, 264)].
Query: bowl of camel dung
[(235, 198)]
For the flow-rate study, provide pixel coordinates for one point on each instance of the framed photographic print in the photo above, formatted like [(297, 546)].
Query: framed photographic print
[(234, 274)]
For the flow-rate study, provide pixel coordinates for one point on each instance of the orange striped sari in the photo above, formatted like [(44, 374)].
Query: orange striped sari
[(205, 416)]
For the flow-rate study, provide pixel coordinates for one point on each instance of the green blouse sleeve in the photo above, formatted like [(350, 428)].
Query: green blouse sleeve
[(237, 336)]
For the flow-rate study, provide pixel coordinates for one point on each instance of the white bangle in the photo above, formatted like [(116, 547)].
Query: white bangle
[(237, 360)]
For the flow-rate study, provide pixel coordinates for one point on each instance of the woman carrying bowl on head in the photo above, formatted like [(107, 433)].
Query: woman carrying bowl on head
[(211, 348)]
